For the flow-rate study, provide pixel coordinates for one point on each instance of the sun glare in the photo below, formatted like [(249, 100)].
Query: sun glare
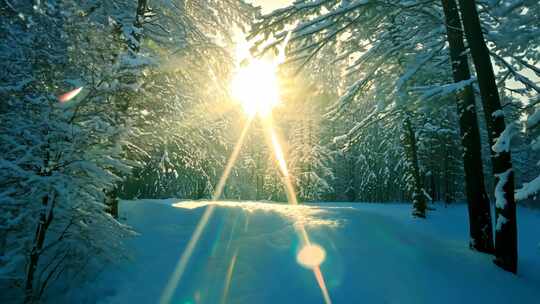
[(255, 86)]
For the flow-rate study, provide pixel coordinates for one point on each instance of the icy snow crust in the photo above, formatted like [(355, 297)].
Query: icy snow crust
[(375, 253)]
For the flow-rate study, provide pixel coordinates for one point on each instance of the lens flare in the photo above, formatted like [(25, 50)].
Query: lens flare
[(311, 256), (63, 98), (228, 278)]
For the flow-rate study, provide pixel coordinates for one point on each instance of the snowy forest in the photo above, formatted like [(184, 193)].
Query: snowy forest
[(288, 151)]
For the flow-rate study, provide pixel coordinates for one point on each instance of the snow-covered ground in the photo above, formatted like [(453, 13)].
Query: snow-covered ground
[(375, 253)]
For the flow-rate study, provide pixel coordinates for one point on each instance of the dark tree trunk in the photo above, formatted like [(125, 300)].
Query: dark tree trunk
[(411, 151), (350, 192), (111, 201), (505, 211), (259, 176), (39, 239), (480, 226), (45, 219), (433, 187), (446, 178), (201, 189)]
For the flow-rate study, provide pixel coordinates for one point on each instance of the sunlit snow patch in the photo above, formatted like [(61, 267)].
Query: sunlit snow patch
[(298, 214)]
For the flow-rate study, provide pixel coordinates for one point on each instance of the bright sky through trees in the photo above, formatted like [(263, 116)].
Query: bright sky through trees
[(269, 5), (255, 86)]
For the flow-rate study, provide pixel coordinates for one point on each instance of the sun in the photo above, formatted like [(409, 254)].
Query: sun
[(255, 86)]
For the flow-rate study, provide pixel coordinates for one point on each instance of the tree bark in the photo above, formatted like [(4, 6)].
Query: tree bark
[(480, 227), (411, 151), (350, 191), (46, 216), (111, 201), (505, 210)]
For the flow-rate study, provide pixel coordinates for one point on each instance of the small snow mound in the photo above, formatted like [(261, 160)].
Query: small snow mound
[(298, 214)]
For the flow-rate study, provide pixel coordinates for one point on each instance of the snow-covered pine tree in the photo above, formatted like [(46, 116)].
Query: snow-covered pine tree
[(195, 50), (309, 158), (56, 157), (439, 152), (59, 158)]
